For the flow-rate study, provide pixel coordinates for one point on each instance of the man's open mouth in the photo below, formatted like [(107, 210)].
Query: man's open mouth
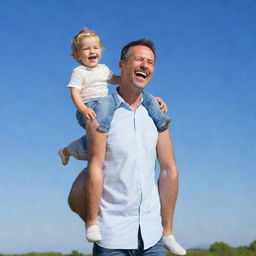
[(92, 57), (141, 74)]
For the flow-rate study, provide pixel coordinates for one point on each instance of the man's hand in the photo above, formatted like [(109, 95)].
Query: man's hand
[(162, 105), (89, 114)]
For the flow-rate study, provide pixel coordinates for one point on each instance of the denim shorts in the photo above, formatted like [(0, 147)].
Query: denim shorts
[(104, 108), (160, 119)]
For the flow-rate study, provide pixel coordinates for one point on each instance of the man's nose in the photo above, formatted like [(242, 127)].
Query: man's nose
[(144, 65)]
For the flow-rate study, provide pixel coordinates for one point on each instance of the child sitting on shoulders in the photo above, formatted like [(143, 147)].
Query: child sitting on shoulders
[(89, 92)]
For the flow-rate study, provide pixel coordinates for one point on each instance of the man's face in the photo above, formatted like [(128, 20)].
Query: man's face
[(138, 69)]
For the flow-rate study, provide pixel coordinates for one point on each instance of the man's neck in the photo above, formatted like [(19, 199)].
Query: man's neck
[(131, 97)]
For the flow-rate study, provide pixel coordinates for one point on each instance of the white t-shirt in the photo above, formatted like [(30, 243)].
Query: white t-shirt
[(91, 81)]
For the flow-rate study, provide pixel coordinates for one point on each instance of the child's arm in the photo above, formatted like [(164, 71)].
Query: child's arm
[(114, 80), (162, 105), (84, 110)]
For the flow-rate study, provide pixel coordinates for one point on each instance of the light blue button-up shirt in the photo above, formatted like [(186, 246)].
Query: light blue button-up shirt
[(130, 195)]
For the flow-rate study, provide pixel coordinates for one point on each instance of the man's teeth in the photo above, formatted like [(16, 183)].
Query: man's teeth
[(142, 74), (92, 57)]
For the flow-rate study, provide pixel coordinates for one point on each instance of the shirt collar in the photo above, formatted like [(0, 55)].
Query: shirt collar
[(121, 102)]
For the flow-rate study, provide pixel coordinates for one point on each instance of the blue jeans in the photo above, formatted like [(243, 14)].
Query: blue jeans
[(104, 108), (155, 250)]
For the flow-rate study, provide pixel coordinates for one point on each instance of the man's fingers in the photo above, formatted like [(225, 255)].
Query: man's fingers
[(160, 101), (163, 108)]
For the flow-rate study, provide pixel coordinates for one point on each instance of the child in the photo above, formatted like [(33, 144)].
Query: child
[(89, 92)]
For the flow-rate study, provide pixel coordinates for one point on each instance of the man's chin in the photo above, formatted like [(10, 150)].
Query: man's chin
[(141, 85)]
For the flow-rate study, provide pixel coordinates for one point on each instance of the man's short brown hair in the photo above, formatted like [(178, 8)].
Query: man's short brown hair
[(141, 42)]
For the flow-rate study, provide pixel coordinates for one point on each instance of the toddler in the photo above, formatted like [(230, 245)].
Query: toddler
[(89, 92)]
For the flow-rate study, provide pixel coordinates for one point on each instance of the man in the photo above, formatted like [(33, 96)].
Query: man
[(131, 219)]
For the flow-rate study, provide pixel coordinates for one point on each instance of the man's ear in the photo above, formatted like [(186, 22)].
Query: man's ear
[(120, 65)]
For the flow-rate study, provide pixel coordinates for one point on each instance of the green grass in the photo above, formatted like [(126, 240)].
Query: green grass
[(216, 249)]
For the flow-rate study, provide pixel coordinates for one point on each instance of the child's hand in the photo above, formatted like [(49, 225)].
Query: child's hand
[(89, 114), (162, 105)]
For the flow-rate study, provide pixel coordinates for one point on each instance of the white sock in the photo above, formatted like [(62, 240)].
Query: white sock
[(93, 233), (173, 246)]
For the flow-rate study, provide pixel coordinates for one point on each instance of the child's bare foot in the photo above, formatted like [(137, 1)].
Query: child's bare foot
[(93, 233), (64, 156)]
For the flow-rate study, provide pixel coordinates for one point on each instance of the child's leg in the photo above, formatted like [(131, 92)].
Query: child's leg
[(78, 203), (94, 183), (77, 149), (104, 109), (96, 141), (160, 119), (168, 190)]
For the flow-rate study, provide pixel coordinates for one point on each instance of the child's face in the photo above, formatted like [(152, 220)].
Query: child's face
[(90, 51)]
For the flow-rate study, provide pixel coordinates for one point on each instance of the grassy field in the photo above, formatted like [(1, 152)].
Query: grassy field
[(189, 253), (216, 249)]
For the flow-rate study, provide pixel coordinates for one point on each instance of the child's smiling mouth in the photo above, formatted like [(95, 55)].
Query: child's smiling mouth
[(92, 57)]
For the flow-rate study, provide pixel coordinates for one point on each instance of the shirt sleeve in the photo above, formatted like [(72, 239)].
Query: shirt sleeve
[(109, 73), (76, 80)]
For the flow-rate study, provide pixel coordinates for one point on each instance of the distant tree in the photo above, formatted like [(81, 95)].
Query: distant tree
[(243, 248), (244, 251), (76, 253), (220, 247), (252, 246)]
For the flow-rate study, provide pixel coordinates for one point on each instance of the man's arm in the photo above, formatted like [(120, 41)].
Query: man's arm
[(168, 180), (115, 80)]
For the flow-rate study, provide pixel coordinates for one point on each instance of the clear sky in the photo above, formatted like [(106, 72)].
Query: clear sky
[(204, 71)]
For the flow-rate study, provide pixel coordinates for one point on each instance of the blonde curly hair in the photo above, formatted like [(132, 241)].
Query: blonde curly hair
[(76, 41)]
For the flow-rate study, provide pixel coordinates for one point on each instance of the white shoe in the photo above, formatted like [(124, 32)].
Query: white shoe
[(93, 233), (64, 159), (173, 246)]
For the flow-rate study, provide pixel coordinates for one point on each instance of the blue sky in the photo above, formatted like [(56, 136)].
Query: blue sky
[(204, 71)]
